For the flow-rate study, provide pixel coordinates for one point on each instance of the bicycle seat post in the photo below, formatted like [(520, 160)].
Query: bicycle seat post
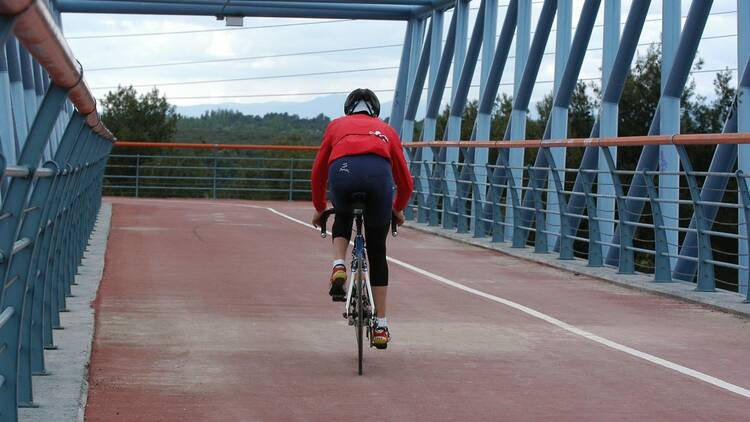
[(358, 206)]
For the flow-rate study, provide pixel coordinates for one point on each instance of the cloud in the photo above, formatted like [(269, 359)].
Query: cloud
[(105, 51)]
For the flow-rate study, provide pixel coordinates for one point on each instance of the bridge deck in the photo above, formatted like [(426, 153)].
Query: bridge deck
[(218, 311)]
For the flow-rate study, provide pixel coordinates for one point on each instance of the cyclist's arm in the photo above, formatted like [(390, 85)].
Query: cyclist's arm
[(319, 176), (401, 175)]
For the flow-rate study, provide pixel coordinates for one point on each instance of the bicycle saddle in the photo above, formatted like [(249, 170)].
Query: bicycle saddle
[(358, 200)]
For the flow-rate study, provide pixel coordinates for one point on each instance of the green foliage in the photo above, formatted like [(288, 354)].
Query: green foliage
[(233, 127), (148, 117)]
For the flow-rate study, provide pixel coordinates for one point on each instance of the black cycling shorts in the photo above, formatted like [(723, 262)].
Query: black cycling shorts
[(372, 175)]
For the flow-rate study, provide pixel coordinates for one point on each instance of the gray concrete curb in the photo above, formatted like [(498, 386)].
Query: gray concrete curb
[(721, 300), (62, 395)]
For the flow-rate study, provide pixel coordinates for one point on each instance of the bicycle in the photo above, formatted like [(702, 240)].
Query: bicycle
[(359, 308)]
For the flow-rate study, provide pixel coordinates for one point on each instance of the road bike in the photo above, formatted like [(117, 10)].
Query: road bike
[(359, 308)]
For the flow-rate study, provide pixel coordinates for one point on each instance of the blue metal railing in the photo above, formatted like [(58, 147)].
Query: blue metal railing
[(52, 160), (483, 202), (219, 175)]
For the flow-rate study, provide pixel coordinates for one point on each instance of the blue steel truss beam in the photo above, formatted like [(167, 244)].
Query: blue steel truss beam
[(434, 99), (420, 61), (417, 86), (612, 93), (608, 122), (16, 97), (477, 158), (743, 125), (399, 95), (425, 155), (678, 76), (516, 128), (564, 93), (257, 9), (437, 83), (558, 119), (723, 161), (453, 130), (536, 53), (669, 124), (484, 112), (449, 156), (517, 122)]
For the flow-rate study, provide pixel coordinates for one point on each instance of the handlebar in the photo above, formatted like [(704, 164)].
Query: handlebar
[(324, 220), (327, 213)]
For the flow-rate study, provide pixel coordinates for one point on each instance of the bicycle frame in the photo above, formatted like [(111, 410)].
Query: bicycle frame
[(359, 258)]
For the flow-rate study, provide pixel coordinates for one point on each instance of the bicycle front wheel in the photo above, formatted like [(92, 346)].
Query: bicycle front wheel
[(359, 326)]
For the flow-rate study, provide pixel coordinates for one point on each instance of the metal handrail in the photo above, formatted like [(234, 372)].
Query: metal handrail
[(35, 28)]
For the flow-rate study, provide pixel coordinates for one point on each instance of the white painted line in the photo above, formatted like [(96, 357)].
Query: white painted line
[(544, 317)]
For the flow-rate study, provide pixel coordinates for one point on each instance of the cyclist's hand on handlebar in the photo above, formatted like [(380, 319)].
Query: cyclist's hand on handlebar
[(316, 220), (399, 217)]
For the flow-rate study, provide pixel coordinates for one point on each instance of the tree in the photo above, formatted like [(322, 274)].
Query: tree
[(501, 116), (581, 112), (148, 117)]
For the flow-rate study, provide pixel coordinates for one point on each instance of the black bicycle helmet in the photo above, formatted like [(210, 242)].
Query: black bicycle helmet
[(362, 94)]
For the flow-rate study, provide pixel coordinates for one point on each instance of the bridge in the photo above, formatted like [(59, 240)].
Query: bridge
[(524, 287)]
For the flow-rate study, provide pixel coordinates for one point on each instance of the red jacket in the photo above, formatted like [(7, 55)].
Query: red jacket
[(358, 134)]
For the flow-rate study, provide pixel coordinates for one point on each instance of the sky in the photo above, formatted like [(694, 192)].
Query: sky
[(106, 45)]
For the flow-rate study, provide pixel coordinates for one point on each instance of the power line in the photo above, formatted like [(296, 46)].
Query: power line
[(305, 53), (304, 94), (236, 59), (199, 31), (254, 78), (321, 73)]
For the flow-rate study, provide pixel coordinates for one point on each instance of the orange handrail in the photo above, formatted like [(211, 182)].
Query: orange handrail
[(136, 144), (625, 141)]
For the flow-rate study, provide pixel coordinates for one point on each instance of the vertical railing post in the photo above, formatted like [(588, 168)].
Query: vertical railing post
[(662, 272), (745, 195), (498, 212), (566, 241), (540, 238), (595, 237), (432, 199), (215, 152), (706, 278), (137, 174), (626, 263), (291, 178)]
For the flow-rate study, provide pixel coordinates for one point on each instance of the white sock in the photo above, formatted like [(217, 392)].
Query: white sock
[(382, 322), (339, 262)]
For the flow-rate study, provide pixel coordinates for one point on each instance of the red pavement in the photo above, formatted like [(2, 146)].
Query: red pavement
[(217, 311)]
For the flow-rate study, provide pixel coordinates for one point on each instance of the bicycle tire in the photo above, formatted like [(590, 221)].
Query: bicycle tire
[(360, 316)]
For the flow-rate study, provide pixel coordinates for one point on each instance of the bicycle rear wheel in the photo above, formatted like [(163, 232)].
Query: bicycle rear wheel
[(359, 326)]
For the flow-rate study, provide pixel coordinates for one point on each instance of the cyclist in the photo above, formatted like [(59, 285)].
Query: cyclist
[(361, 153)]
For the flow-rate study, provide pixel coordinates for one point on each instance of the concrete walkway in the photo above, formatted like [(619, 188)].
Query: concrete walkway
[(61, 395), (217, 311)]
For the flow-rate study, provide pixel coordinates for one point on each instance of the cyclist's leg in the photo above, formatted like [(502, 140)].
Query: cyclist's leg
[(376, 256), (341, 233), (340, 185), (377, 225), (342, 181)]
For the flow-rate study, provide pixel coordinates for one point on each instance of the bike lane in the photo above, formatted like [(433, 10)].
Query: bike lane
[(218, 311)]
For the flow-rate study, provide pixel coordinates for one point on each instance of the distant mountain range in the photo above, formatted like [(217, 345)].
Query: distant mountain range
[(330, 105)]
